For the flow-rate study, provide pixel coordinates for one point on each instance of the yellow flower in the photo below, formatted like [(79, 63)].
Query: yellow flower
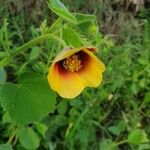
[(74, 69)]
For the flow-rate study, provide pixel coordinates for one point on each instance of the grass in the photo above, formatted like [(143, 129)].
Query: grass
[(99, 119)]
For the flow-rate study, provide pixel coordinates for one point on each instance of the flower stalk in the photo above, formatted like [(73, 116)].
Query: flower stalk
[(29, 44)]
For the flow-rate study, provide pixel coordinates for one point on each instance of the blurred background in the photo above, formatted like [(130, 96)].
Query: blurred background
[(104, 116)]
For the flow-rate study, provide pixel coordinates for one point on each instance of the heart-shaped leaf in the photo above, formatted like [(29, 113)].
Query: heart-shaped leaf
[(29, 100)]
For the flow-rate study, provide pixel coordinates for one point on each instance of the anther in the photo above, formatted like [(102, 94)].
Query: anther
[(72, 63)]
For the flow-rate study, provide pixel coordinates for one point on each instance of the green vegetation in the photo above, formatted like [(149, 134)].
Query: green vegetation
[(114, 116)]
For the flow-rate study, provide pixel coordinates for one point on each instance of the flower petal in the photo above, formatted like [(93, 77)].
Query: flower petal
[(53, 78), (66, 52), (91, 72), (92, 49), (99, 64), (67, 84)]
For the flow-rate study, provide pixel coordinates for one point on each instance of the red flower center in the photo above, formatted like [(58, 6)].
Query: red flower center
[(72, 63)]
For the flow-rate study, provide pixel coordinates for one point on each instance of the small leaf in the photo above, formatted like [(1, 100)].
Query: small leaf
[(107, 144), (81, 18), (29, 100), (137, 136), (57, 7), (28, 138), (6, 147), (134, 88), (71, 37), (62, 107), (89, 29), (34, 53), (116, 130), (43, 28), (41, 128), (53, 28)]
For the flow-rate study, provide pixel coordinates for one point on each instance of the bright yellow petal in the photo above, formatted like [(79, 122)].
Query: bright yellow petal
[(67, 84), (91, 72), (66, 52), (71, 86), (95, 60), (52, 78)]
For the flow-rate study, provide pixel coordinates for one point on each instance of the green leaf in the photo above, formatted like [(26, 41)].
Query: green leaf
[(43, 27), (134, 87), (86, 134), (71, 37), (137, 136), (146, 34), (144, 147), (6, 118), (2, 76), (28, 138), (89, 29), (61, 120), (41, 128), (29, 100), (62, 107), (117, 129), (147, 97), (6, 147), (107, 144), (34, 53), (81, 18), (57, 7)]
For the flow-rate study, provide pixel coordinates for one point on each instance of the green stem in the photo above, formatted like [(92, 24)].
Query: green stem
[(36, 41), (5, 48), (30, 44), (5, 61), (6, 38), (120, 143), (13, 135)]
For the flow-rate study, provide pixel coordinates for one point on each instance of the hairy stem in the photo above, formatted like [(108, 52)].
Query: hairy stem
[(36, 41), (30, 44)]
